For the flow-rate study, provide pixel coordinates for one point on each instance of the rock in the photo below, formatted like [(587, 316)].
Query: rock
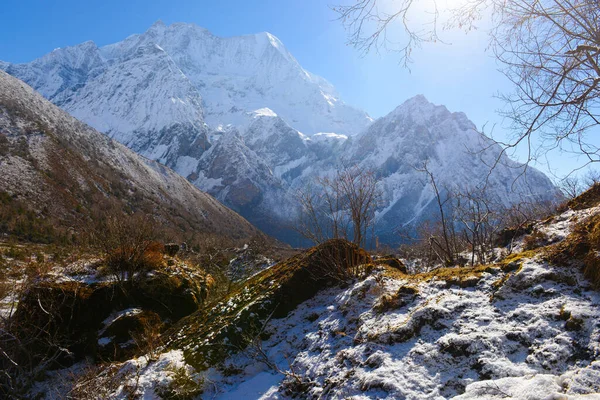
[(67, 316), (393, 262), (171, 249), (210, 335), (128, 333)]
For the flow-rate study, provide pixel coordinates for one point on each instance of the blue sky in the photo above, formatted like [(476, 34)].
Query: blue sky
[(461, 75)]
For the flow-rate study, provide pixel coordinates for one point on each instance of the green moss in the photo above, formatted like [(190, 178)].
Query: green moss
[(453, 276), (182, 387), (514, 257), (393, 262), (210, 335)]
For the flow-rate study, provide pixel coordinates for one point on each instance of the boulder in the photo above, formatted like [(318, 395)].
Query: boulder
[(171, 249), (210, 335)]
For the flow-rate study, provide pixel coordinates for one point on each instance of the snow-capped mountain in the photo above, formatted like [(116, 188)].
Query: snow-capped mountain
[(243, 121), (269, 162), (234, 76), (418, 134)]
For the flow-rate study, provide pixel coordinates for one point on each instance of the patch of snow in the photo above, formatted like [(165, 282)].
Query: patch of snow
[(264, 112)]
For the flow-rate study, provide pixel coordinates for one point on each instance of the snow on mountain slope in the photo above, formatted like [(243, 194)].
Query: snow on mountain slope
[(248, 73), (146, 103), (418, 132), (66, 171), (233, 75), (61, 70)]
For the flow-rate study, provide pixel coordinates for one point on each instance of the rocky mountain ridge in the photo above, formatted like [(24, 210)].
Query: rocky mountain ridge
[(242, 120)]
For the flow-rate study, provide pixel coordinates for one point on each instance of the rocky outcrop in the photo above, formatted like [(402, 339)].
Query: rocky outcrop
[(210, 335)]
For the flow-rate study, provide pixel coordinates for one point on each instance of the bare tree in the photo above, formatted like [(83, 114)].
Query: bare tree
[(369, 23), (591, 178), (444, 247), (549, 50), (361, 194), (571, 187), (480, 219), (469, 222), (128, 243), (335, 204), (322, 211)]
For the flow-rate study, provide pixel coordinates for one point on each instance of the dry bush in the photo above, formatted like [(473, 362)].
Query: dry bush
[(129, 244), (534, 240), (97, 382), (148, 340), (340, 207), (582, 246), (37, 335), (338, 260), (183, 386), (592, 259), (589, 198)]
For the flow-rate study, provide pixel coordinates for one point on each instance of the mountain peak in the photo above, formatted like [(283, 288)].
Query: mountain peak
[(418, 108), (273, 40), (419, 98)]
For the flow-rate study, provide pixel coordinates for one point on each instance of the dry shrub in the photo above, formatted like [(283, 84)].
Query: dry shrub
[(148, 339), (126, 262), (97, 382), (338, 260), (183, 386), (591, 269), (534, 240), (588, 199), (45, 331), (583, 246), (129, 243)]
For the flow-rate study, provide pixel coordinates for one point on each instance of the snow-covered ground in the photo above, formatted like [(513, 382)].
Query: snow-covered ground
[(522, 330), (438, 345), (485, 341)]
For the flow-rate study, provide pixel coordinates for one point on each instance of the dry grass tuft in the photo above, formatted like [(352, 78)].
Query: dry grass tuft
[(581, 247), (588, 199)]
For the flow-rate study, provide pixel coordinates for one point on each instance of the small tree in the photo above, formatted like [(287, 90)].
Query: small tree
[(342, 206), (479, 218), (571, 187), (129, 244), (444, 246)]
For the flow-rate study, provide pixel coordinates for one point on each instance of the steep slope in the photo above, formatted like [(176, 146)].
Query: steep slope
[(238, 177), (146, 103), (66, 172)]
